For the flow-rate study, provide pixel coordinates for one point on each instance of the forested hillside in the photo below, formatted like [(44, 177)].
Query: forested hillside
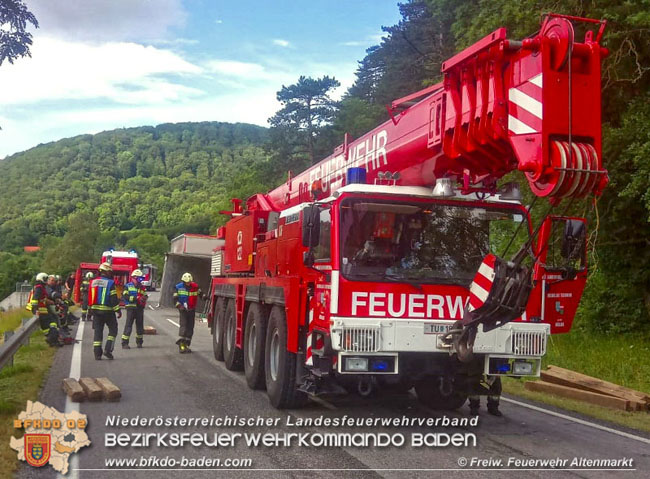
[(143, 185), (133, 187)]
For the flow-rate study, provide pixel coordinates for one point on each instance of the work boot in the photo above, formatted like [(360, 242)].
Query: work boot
[(182, 348), (474, 404), (139, 345), (108, 354), (493, 408), (98, 358), (126, 346)]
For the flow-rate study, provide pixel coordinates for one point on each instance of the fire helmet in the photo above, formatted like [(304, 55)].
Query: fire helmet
[(187, 278), (137, 273), (90, 275), (106, 268), (41, 277)]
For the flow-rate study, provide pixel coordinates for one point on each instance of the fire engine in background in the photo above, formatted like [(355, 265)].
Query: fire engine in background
[(122, 262), (398, 261), (150, 272)]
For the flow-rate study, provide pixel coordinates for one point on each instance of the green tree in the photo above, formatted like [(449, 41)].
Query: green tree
[(15, 41), (306, 109), (78, 244)]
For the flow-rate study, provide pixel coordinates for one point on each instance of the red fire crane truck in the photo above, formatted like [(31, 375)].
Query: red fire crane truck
[(398, 260)]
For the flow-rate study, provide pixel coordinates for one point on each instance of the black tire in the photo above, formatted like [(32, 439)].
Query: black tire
[(254, 342), (217, 329), (232, 355), (280, 365), (431, 394)]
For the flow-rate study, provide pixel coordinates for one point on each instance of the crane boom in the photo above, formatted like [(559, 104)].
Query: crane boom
[(531, 105)]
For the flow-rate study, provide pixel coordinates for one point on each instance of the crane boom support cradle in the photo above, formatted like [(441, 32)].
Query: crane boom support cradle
[(531, 105)]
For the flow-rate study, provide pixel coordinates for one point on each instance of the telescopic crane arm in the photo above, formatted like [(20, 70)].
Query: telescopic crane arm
[(531, 105)]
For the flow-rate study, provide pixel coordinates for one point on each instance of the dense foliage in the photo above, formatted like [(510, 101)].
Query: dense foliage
[(144, 185), (135, 187)]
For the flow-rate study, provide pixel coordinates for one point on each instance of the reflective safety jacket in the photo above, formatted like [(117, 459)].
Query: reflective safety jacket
[(103, 295), (186, 294), (85, 284), (133, 295), (36, 301)]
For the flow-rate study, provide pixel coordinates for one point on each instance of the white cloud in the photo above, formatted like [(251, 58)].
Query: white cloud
[(218, 21), (121, 72), (280, 42), (108, 19)]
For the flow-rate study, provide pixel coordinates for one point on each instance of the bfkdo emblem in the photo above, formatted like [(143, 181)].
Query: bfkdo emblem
[(37, 449)]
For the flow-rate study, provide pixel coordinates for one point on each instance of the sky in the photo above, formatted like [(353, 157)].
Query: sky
[(102, 64)]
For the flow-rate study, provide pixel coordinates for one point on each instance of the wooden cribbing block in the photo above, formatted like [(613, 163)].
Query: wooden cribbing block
[(578, 394), (74, 390), (150, 330), (92, 389), (110, 390), (565, 377)]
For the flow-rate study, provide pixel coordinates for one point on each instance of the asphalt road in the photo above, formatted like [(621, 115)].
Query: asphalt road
[(157, 381)]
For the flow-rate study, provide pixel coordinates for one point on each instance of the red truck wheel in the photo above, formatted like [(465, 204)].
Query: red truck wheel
[(254, 342), (280, 364), (233, 357), (217, 329)]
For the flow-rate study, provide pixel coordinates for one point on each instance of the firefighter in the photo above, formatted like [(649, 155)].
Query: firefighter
[(83, 289), (54, 305), (69, 284), (39, 305), (104, 304), (493, 397), (135, 301), (186, 294)]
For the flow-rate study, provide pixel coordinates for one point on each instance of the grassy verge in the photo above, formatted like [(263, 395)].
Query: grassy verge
[(18, 383), (621, 359), (11, 319)]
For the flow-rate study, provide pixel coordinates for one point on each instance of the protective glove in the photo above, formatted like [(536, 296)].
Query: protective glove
[(119, 313)]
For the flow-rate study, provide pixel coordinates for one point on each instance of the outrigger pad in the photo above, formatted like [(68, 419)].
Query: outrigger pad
[(498, 294)]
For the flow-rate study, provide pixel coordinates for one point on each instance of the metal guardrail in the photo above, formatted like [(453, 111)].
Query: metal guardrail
[(15, 339)]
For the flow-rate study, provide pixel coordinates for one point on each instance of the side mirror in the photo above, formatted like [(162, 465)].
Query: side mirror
[(574, 238), (310, 226), (308, 258)]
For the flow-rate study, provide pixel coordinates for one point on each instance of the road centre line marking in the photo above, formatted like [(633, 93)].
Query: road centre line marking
[(75, 372), (579, 421), (173, 322)]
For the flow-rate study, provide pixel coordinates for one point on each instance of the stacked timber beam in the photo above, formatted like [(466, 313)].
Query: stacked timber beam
[(572, 385), (92, 389)]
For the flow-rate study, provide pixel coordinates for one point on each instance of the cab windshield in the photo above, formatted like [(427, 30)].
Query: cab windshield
[(424, 243)]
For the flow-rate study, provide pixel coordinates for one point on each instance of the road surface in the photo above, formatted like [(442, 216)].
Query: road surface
[(156, 381)]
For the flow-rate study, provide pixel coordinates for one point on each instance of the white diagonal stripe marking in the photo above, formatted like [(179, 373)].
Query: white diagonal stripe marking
[(479, 292), (518, 127), (537, 80), (526, 102), (487, 271)]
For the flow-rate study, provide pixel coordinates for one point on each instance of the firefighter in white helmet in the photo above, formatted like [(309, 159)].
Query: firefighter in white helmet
[(135, 300), (38, 304), (104, 303), (186, 295)]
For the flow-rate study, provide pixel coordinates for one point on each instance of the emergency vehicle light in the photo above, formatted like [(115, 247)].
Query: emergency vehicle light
[(356, 175)]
